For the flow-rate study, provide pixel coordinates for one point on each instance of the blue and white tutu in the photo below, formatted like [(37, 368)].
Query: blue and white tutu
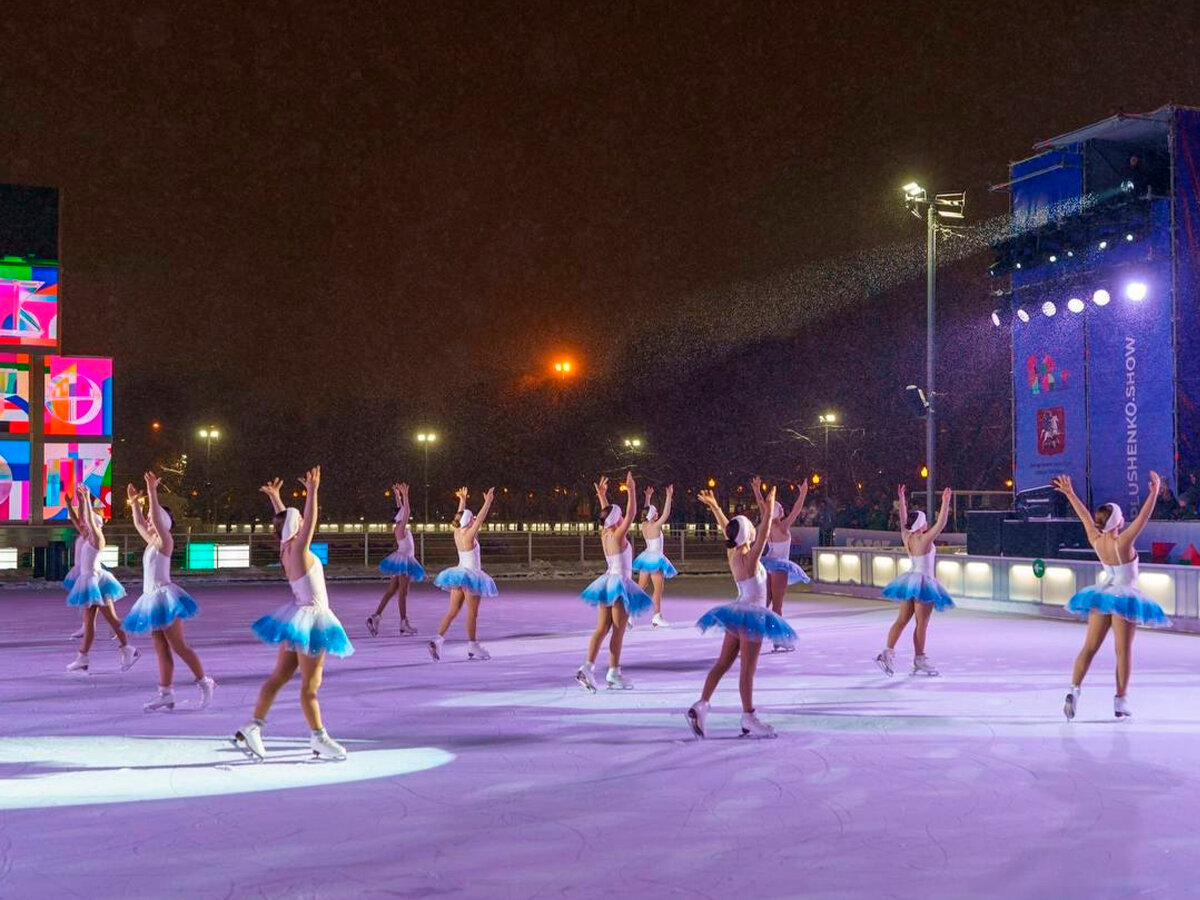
[(159, 608), (69, 582), (1125, 601), (651, 561), (795, 574), (95, 590), (305, 629), (402, 564), (919, 588), (749, 620), (609, 590), (473, 581)]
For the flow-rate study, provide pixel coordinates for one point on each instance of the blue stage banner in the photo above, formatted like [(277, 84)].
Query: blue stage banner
[(1187, 286), (1131, 382)]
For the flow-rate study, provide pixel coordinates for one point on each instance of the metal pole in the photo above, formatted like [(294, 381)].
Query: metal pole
[(427, 484), (930, 301)]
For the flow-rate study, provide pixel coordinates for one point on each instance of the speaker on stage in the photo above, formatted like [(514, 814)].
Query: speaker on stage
[(984, 531)]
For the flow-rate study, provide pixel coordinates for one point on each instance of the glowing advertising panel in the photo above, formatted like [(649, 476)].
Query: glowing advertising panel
[(14, 393), (78, 395), (14, 481), (69, 465), (28, 305)]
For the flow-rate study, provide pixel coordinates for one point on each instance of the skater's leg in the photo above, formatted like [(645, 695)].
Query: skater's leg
[(1097, 630), (456, 602), (402, 582), (776, 589), (89, 628), (604, 621), (749, 650), (923, 613), (166, 662), (1123, 632), (729, 652), (620, 618), (902, 617), (643, 580), (110, 613), (393, 584), (656, 579), (472, 615), (285, 668), (174, 636), (311, 670)]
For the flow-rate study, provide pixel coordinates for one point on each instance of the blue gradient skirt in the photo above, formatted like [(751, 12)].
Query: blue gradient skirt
[(920, 589), (305, 629), (159, 608), (748, 620), (609, 590), (95, 590), (647, 561), (473, 581), (1125, 601), (795, 574), (69, 582), (399, 564)]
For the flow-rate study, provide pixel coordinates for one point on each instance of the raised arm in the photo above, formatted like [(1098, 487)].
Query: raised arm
[(763, 532), (902, 492), (272, 489), (403, 509), (1130, 534), (158, 515), (709, 499), (601, 488), (462, 493), (95, 523), (480, 517), (135, 510), (1063, 485), (943, 513), (798, 506), (756, 486), (312, 483), (630, 507), (665, 514)]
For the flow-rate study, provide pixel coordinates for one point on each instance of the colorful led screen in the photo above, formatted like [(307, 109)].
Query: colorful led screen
[(78, 395), (68, 466), (14, 391), (14, 481), (28, 305)]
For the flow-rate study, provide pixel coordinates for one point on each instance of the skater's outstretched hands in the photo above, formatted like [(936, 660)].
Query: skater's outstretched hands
[(132, 494), (709, 499), (312, 479), (649, 495), (601, 487), (1062, 484), (1129, 535), (272, 489)]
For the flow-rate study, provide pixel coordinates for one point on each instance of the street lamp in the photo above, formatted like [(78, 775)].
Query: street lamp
[(208, 435), (633, 443), (426, 439), (937, 208), (827, 421)]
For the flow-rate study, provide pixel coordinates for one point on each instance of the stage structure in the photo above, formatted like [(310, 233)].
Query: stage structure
[(56, 422), (1099, 282)]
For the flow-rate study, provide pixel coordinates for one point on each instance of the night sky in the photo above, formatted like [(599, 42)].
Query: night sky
[(322, 226)]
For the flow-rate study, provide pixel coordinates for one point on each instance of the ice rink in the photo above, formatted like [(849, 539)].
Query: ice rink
[(504, 779)]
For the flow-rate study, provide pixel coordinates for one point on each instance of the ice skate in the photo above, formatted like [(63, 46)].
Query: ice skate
[(586, 679), (435, 647), (325, 747), (659, 622), (615, 682), (80, 664), (206, 686), (373, 626), (697, 718), (129, 655), (1121, 708), (476, 650), (782, 648), (164, 701), (922, 666), (1069, 703), (886, 660), (753, 727), (77, 634), (406, 628), (249, 740)]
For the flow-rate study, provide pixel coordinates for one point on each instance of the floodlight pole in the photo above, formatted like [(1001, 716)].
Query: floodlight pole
[(930, 308)]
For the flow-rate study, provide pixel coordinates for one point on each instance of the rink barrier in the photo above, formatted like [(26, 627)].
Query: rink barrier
[(984, 581)]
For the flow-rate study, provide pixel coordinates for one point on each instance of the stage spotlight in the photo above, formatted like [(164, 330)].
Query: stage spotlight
[(1075, 305), (1053, 258), (1104, 245), (1022, 314), (1049, 309), (1136, 290), (1101, 298), (1070, 254), (1129, 238), (1017, 266)]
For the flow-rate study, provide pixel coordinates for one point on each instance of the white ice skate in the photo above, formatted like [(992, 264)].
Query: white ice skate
[(1121, 708), (886, 660), (325, 747), (615, 682), (206, 686), (77, 635), (753, 727), (1070, 702), (922, 666), (406, 628), (586, 679), (476, 650), (80, 664), (373, 626), (435, 647), (164, 701), (129, 655), (659, 622), (782, 648), (697, 718), (249, 740)]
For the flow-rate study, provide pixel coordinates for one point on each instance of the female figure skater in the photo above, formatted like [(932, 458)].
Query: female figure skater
[(746, 621), (69, 581), (1115, 601), (615, 594), (466, 582), (652, 566), (918, 591), (95, 589), (305, 629), (401, 565), (163, 605), (777, 560)]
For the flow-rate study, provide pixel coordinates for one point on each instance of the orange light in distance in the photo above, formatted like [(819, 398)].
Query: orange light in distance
[(816, 479), (712, 482), (156, 426), (1008, 482), (924, 471)]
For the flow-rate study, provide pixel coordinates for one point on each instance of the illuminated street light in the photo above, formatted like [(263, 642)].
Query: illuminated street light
[(426, 439), (208, 434), (633, 443)]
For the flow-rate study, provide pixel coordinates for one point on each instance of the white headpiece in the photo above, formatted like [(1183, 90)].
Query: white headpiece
[(919, 522), (1115, 521), (613, 516), (777, 510), (466, 518), (291, 524), (745, 532), (651, 513)]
